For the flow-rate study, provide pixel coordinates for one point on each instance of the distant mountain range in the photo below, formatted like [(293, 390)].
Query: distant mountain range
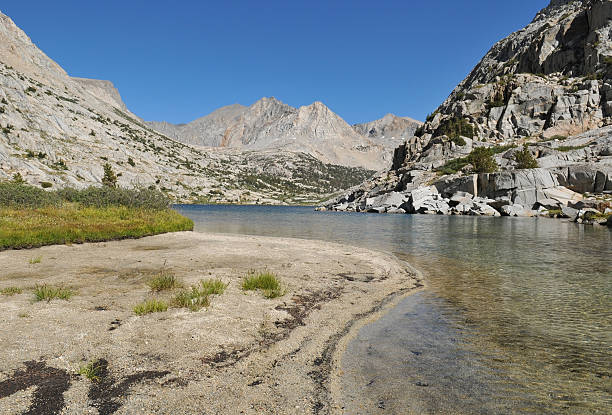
[(314, 129), (56, 130)]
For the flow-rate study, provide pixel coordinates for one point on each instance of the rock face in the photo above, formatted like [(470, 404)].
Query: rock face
[(104, 90), (551, 78), (270, 124), (56, 131), (390, 126), (546, 87)]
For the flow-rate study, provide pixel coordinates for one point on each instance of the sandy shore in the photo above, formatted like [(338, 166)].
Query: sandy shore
[(243, 354)]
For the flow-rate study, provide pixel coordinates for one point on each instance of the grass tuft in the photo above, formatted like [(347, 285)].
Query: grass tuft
[(165, 280), (213, 286), (199, 296), (92, 371), (150, 306), (35, 260), (11, 291), (48, 293), (267, 282)]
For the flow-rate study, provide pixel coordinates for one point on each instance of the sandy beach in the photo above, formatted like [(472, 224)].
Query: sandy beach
[(242, 354)]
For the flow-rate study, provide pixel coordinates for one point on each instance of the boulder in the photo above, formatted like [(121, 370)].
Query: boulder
[(569, 212), (548, 204), (515, 210)]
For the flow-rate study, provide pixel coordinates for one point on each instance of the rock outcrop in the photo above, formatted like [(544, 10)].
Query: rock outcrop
[(544, 93)]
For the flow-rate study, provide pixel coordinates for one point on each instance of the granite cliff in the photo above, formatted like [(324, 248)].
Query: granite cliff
[(542, 95)]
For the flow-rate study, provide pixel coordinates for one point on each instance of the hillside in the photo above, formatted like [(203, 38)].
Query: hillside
[(58, 131), (527, 132)]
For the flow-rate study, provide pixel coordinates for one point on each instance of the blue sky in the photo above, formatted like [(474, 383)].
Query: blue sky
[(177, 61)]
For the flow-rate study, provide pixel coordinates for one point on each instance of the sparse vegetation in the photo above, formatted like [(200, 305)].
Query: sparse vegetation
[(131, 161), (524, 159), (48, 293), (455, 127), (150, 306), (199, 296), (35, 260), (570, 148), (267, 282), (165, 280), (92, 371), (9, 291)]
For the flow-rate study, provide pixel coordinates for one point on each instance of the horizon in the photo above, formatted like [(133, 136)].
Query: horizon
[(231, 66)]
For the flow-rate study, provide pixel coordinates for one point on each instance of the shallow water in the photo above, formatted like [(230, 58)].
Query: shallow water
[(516, 317)]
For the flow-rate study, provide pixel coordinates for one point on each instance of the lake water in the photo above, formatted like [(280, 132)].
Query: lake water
[(516, 317)]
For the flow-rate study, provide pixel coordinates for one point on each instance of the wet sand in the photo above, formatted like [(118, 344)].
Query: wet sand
[(243, 354)]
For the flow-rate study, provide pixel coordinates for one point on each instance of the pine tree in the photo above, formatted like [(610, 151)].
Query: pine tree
[(110, 178)]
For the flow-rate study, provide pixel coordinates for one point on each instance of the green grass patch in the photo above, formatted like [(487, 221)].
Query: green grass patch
[(48, 293), (35, 260), (92, 371), (213, 286), (165, 280), (570, 148), (11, 291), (150, 306), (28, 228), (267, 282), (199, 296)]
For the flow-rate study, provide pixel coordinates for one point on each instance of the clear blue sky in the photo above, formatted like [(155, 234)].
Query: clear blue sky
[(177, 61)]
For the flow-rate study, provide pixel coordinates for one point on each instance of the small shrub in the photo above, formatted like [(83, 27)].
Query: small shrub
[(524, 159), (455, 127), (150, 306), (459, 141), (18, 178), (46, 185), (31, 89), (482, 159), (131, 161), (20, 195), (11, 291), (267, 282), (48, 293), (164, 281), (92, 371), (109, 179)]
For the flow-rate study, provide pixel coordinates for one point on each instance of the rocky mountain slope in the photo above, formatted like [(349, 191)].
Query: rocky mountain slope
[(56, 131), (271, 124), (547, 86)]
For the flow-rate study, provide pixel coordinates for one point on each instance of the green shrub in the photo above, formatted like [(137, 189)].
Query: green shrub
[(46, 185), (482, 159), (212, 286), (131, 161), (21, 195), (110, 178), (524, 159), (31, 89), (459, 141), (150, 306), (115, 196), (455, 127), (48, 293), (267, 282)]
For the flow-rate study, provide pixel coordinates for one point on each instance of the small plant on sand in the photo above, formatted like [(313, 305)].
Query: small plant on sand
[(192, 299), (92, 371), (266, 281), (199, 296), (48, 293), (212, 286), (165, 280), (35, 260), (150, 306), (11, 291)]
